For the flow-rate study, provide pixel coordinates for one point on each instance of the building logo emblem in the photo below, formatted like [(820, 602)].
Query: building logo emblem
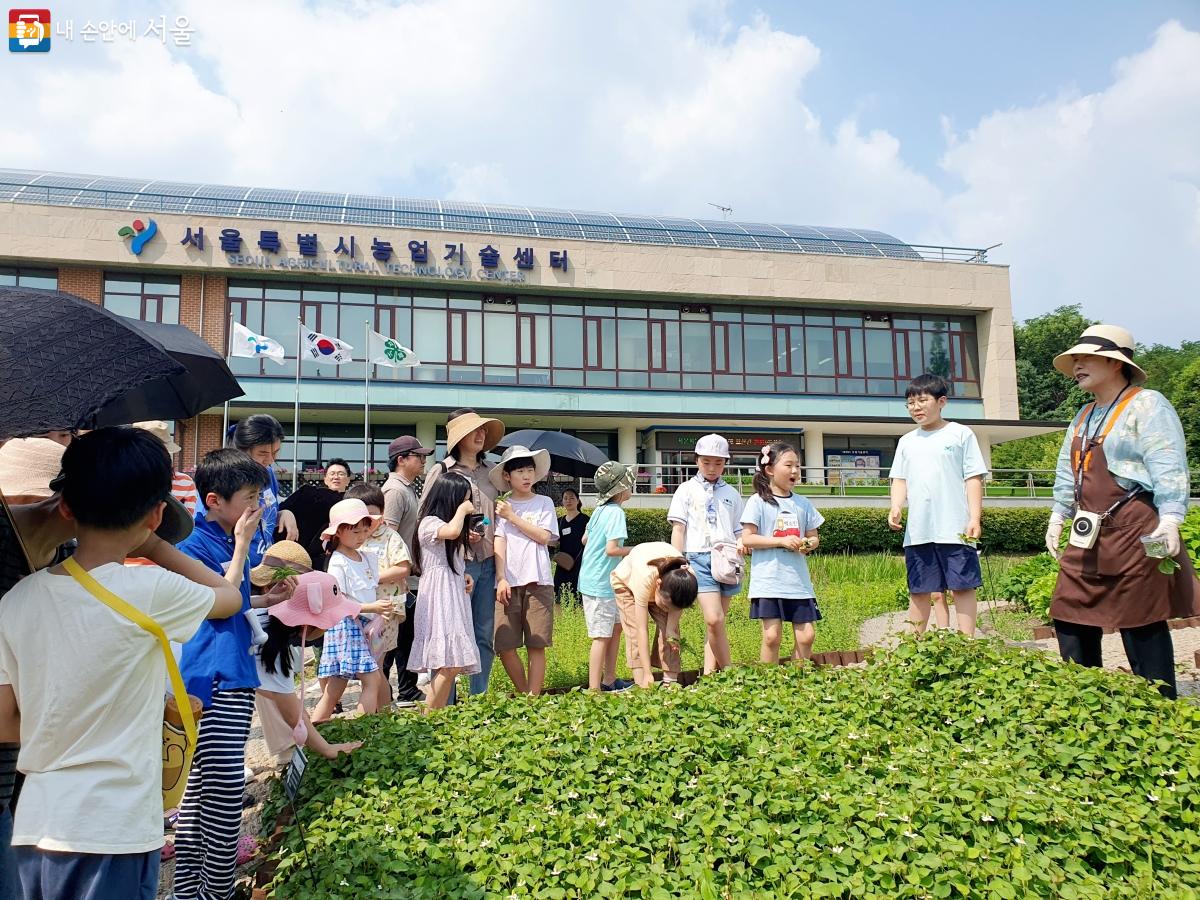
[(29, 30), (141, 234), (394, 351)]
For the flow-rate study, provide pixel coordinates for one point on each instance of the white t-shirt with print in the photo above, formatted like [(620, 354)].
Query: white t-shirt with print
[(89, 684), (690, 506), (935, 466)]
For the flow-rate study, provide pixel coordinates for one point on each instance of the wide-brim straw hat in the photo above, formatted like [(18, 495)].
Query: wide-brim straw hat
[(1110, 341), (28, 465), (457, 429), (282, 554), (612, 478), (317, 601), (541, 465), (348, 512), (159, 429)]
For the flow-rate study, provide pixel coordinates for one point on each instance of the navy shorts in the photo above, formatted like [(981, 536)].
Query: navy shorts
[(942, 567), (789, 610), (88, 876)]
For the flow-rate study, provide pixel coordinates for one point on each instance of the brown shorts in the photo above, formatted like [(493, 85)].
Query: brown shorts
[(528, 620)]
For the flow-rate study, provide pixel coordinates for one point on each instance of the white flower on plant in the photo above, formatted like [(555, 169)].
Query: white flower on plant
[(910, 834), (826, 796), (592, 857), (986, 818), (905, 819), (892, 767), (484, 844), (837, 849), (979, 720), (1019, 840), (344, 883), (1153, 798), (881, 815)]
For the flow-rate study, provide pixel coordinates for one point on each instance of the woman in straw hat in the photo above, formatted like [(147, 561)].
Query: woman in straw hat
[(468, 437), (1122, 478)]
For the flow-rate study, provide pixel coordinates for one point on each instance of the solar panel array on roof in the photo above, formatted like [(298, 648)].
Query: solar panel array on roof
[(59, 189)]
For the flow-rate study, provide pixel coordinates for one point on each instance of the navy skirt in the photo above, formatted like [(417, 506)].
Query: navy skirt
[(795, 611)]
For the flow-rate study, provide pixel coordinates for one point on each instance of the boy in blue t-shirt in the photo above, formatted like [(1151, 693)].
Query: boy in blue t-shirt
[(218, 667), (939, 470), (602, 550)]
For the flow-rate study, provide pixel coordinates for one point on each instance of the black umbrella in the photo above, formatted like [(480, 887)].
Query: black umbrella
[(62, 359), (206, 381), (568, 455)]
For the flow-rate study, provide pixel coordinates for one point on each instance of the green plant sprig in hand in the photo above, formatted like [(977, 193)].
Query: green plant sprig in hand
[(1168, 566), (283, 573), (967, 539)]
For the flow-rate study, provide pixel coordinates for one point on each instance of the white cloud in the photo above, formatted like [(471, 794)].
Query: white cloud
[(1095, 197), (648, 107)]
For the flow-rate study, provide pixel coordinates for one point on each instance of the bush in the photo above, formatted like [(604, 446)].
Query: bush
[(865, 529), (950, 767), (1016, 582)]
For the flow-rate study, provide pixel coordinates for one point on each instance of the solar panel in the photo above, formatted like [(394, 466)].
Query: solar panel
[(55, 188)]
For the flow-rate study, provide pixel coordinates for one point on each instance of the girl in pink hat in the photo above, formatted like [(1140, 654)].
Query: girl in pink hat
[(316, 605), (346, 653)]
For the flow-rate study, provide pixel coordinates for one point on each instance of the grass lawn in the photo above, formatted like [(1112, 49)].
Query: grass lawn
[(850, 590)]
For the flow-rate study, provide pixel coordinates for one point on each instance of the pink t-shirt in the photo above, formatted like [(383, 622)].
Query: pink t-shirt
[(528, 562)]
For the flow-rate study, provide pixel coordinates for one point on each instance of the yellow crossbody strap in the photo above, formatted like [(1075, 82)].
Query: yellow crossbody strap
[(111, 600)]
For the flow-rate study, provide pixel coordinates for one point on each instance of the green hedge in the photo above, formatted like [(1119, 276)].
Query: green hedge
[(865, 529)]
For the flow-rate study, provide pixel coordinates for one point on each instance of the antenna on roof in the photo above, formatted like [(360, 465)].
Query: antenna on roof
[(725, 210)]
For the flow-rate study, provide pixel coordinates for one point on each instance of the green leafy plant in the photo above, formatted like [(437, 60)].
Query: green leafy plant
[(282, 573), (948, 768)]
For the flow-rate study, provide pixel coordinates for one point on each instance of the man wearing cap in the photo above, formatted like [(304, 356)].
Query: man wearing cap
[(468, 437), (1122, 478), (406, 461)]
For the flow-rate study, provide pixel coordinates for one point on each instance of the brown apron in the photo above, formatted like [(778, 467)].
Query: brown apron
[(1114, 584)]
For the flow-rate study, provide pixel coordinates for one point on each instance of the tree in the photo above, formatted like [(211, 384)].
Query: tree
[(1187, 404), (1043, 393)]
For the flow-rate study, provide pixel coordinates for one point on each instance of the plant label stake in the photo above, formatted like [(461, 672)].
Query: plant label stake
[(291, 787)]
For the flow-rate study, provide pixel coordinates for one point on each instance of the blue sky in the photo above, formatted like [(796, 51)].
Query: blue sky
[(905, 65), (1067, 132)]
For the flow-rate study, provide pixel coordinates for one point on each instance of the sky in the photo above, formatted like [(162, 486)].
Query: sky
[(1068, 133)]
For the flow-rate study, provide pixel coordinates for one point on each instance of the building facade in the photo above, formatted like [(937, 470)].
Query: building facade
[(636, 333)]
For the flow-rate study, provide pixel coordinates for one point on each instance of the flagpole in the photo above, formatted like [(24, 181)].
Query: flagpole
[(296, 420), (228, 352), (367, 399)]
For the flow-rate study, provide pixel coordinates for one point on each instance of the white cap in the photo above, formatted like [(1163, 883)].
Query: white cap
[(712, 445)]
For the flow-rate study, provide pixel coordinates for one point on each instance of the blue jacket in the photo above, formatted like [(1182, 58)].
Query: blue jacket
[(218, 657)]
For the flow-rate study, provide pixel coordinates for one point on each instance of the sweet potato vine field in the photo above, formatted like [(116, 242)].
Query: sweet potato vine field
[(948, 768)]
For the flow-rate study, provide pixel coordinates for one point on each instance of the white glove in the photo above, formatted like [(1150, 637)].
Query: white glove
[(1168, 531), (1054, 533)]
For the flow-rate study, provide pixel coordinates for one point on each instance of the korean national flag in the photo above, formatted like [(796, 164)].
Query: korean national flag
[(321, 348), (246, 343)]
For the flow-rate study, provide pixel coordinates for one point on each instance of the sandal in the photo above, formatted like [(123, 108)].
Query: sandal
[(247, 849)]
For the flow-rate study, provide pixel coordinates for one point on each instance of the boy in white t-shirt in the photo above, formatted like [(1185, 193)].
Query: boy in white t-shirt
[(939, 470), (706, 512), (524, 583), (89, 820)]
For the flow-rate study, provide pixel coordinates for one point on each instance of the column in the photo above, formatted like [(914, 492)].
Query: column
[(652, 460), (627, 444), (427, 435), (814, 455)]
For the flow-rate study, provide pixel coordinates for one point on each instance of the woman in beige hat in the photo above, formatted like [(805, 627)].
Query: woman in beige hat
[(1122, 479), (468, 437)]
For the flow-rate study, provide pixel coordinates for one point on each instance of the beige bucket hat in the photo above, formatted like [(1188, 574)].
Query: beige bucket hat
[(28, 465), (459, 428), (281, 554), (160, 430), (1110, 341)]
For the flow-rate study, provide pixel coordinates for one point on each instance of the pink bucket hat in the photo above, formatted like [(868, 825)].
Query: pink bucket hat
[(317, 601), (348, 512)]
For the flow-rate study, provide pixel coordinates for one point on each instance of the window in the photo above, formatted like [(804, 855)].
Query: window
[(151, 299), (46, 279), (481, 338)]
